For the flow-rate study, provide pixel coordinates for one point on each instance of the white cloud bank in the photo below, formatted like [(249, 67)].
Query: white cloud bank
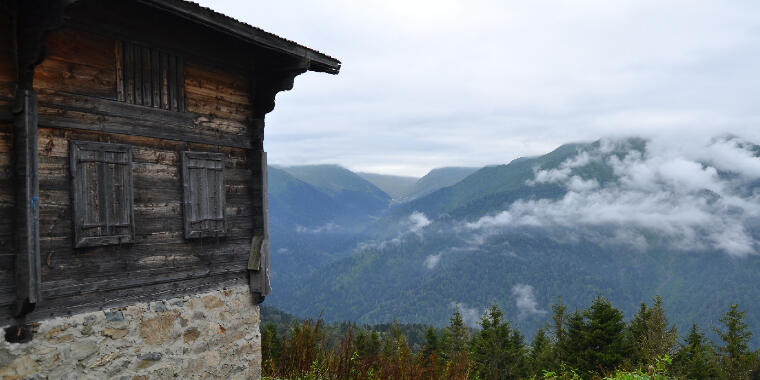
[(525, 300), (696, 194)]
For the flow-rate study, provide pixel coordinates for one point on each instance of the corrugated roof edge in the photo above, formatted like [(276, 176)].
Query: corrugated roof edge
[(318, 61)]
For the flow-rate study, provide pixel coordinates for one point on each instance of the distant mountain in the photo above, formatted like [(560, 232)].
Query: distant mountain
[(294, 202), (344, 186), (395, 186), (436, 179), (627, 219), (493, 187), (312, 224)]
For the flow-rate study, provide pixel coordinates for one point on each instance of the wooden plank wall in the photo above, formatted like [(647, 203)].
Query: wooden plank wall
[(7, 67), (77, 87), (160, 256), (7, 81), (78, 62), (7, 214)]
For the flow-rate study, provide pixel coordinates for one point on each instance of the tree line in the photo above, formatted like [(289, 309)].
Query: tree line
[(594, 343)]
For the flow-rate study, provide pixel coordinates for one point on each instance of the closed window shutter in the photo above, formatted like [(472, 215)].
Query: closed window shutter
[(150, 77), (203, 183), (102, 193)]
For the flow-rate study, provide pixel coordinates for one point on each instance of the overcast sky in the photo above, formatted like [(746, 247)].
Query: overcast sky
[(427, 84)]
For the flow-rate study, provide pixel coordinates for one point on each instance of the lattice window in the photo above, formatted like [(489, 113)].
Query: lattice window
[(203, 182), (102, 193), (150, 77)]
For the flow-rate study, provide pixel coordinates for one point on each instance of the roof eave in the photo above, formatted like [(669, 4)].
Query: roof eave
[(318, 61)]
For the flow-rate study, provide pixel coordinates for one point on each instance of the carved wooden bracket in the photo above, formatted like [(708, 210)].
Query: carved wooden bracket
[(34, 18), (271, 81)]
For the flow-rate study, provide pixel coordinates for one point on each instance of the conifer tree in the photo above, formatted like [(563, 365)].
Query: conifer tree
[(657, 339), (559, 318), (431, 351), (367, 345), (498, 352), (636, 332), (605, 347), (455, 336), (695, 359), (736, 359), (393, 340), (574, 345), (541, 353)]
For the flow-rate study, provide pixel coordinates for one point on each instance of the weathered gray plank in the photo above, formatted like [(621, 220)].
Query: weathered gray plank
[(27, 205)]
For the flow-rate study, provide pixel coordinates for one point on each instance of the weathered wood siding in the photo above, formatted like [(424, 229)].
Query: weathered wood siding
[(7, 252), (7, 67), (7, 80), (78, 100), (77, 62)]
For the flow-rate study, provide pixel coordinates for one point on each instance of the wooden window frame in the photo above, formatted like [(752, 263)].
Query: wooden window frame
[(104, 180), (204, 225)]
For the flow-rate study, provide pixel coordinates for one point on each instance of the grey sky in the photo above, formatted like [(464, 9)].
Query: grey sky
[(426, 84)]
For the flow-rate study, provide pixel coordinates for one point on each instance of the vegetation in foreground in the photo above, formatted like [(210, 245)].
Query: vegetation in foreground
[(595, 343)]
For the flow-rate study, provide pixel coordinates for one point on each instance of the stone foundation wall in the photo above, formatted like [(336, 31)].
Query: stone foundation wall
[(208, 335)]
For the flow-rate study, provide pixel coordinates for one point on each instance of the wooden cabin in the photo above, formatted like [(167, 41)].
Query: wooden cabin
[(131, 152)]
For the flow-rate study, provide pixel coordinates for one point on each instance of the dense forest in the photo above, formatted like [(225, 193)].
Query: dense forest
[(593, 343)]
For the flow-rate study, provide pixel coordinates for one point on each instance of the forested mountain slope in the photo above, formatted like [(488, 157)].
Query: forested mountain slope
[(437, 179), (627, 219)]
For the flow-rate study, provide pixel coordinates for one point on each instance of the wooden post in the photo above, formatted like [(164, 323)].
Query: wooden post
[(259, 278), (27, 203)]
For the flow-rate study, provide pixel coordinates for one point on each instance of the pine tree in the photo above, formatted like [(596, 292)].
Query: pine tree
[(559, 333), (455, 336), (498, 352), (393, 340), (367, 345), (541, 352), (431, 351), (695, 359), (636, 331), (736, 359), (658, 339), (604, 334), (573, 346)]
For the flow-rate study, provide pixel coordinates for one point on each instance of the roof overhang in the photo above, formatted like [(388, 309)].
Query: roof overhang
[(315, 60)]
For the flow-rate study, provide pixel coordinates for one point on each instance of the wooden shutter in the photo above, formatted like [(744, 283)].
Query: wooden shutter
[(150, 77), (102, 193), (203, 185)]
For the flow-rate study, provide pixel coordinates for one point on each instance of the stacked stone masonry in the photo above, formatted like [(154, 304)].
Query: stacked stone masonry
[(212, 335)]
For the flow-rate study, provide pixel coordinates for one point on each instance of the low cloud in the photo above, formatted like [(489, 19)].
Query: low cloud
[(417, 222), (470, 315), (525, 300), (328, 227), (700, 196), (432, 261), (371, 244)]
